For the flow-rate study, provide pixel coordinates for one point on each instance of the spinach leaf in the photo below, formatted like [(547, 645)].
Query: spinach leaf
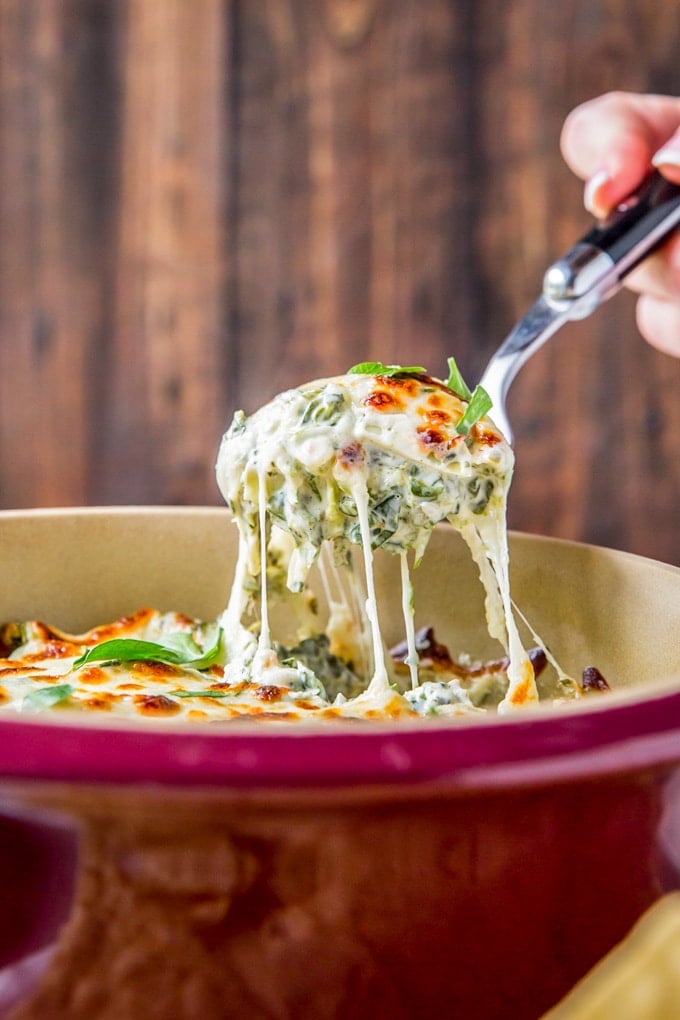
[(325, 407)]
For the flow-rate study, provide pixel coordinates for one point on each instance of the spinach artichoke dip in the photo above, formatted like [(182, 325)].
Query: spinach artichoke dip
[(323, 474)]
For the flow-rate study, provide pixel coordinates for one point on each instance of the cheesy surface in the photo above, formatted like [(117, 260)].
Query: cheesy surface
[(374, 461), (40, 670), (325, 473)]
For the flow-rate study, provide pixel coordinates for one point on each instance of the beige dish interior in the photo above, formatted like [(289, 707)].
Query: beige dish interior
[(78, 568)]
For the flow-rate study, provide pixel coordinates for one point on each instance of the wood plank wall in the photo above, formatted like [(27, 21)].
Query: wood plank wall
[(205, 201)]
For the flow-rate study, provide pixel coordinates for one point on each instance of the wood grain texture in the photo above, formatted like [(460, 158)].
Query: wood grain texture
[(203, 203)]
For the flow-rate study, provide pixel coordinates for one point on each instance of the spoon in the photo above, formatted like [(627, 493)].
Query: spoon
[(584, 278)]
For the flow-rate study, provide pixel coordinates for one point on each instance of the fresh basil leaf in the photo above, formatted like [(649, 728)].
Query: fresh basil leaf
[(480, 403), (46, 697), (182, 643), (212, 654), (456, 382), (178, 649), (367, 368), (377, 368), (128, 650)]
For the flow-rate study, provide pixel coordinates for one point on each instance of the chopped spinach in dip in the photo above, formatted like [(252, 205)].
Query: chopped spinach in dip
[(324, 474), (368, 460)]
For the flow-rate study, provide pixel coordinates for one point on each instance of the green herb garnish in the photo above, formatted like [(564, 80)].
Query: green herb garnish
[(177, 649), (456, 382), (480, 403), (377, 368), (46, 697)]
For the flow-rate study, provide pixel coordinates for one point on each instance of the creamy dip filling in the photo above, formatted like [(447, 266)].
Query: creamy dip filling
[(375, 461), (324, 474)]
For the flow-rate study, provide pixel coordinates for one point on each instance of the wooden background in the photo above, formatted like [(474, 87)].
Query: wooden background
[(205, 201)]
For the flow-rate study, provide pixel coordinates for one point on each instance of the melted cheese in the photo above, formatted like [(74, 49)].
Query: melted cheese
[(337, 467), (373, 461)]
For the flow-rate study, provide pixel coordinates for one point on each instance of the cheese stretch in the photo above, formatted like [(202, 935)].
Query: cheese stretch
[(325, 473), (374, 461)]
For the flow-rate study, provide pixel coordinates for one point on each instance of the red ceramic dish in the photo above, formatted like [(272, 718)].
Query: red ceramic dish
[(535, 748), (473, 869)]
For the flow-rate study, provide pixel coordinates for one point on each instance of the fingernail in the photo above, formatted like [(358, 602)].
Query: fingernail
[(591, 194), (667, 156)]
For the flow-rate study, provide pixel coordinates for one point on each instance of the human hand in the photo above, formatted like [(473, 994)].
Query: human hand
[(611, 142)]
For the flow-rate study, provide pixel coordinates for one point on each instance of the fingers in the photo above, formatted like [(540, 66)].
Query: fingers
[(659, 322), (667, 158), (657, 280), (659, 274), (611, 142)]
